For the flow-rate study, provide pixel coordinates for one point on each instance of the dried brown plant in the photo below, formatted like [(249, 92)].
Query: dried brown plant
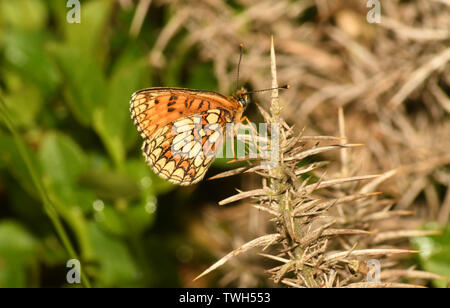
[(326, 229)]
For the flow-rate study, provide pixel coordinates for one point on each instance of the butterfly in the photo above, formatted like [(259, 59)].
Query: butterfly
[(183, 128)]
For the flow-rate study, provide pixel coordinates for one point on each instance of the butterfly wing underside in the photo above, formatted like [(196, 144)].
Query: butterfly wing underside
[(183, 150), (182, 130)]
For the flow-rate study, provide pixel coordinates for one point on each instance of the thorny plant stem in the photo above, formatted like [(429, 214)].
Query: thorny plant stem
[(278, 185)]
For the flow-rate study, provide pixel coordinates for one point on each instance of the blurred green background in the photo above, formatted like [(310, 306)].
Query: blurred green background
[(66, 88)]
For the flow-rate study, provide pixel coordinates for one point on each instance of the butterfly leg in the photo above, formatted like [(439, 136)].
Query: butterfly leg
[(229, 137), (253, 132), (244, 118)]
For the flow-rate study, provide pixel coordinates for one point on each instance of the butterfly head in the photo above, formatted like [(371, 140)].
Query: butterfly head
[(242, 97)]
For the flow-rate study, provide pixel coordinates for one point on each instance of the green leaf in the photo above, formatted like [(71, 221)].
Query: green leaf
[(62, 159), (24, 52), (434, 254), (113, 122), (85, 84), (11, 159), (24, 105), (143, 214), (49, 207), (88, 36), (109, 184), (116, 266), (111, 221), (63, 162), (150, 184), (17, 249), (24, 14), (58, 11)]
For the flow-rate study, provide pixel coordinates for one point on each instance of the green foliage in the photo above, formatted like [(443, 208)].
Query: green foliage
[(434, 253), (17, 251), (71, 172)]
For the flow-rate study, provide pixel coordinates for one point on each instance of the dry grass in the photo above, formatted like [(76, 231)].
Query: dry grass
[(326, 229)]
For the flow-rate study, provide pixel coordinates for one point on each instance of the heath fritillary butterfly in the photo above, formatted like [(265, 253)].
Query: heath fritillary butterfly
[(182, 129)]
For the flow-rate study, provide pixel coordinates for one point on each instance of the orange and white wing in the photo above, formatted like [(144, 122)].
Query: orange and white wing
[(183, 150), (153, 108)]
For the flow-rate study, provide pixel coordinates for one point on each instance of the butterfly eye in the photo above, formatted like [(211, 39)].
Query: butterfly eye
[(243, 99)]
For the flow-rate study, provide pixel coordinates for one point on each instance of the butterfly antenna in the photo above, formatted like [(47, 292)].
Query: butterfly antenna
[(286, 86), (241, 51)]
